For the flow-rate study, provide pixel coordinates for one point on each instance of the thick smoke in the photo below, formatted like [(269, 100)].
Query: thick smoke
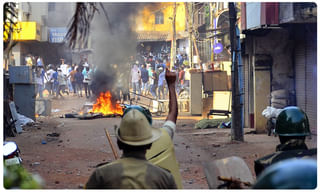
[(113, 46)]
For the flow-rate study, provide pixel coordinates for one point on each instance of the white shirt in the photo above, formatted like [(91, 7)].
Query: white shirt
[(170, 127), (64, 69)]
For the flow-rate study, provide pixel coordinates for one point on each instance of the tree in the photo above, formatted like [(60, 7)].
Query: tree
[(10, 15)]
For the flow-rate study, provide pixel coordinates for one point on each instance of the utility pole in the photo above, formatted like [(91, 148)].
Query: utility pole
[(236, 125), (173, 42), (189, 12)]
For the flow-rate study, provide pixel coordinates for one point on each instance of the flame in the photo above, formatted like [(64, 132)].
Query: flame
[(36, 115), (105, 106)]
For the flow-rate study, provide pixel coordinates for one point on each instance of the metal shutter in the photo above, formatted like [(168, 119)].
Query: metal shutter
[(311, 81), (306, 78)]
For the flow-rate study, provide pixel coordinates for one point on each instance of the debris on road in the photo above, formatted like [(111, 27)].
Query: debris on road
[(210, 123), (53, 134), (215, 145), (55, 110)]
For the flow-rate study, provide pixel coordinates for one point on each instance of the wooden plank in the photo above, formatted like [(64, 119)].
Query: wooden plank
[(15, 117)]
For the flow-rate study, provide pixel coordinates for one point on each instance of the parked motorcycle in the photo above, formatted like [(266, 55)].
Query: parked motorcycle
[(11, 153)]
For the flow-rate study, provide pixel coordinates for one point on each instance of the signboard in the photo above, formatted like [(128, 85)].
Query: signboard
[(23, 31), (56, 35), (217, 48)]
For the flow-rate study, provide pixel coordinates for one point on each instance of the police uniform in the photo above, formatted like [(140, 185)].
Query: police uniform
[(132, 171), (293, 148)]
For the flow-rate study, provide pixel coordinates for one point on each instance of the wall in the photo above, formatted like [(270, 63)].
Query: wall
[(61, 15), (146, 17), (277, 44)]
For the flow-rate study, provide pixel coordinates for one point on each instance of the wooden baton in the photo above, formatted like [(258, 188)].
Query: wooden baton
[(115, 153)]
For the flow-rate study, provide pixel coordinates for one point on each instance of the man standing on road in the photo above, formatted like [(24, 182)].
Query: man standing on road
[(135, 135), (135, 80), (144, 80)]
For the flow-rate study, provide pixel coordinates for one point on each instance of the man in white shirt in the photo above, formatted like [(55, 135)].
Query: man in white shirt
[(135, 80)]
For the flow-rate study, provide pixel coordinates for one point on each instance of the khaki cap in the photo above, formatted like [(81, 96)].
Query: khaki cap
[(135, 129)]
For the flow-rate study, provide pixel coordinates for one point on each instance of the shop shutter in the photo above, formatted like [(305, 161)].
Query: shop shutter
[(311, 81), (306, 78), (300, 74)]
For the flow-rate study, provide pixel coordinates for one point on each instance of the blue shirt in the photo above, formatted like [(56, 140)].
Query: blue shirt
[(144, 75), (162, 78)]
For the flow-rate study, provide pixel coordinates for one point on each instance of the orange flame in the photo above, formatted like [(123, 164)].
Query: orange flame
[(36, 115), (105, 106)]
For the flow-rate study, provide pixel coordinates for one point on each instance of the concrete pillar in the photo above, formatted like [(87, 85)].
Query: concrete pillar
[(16, 51)]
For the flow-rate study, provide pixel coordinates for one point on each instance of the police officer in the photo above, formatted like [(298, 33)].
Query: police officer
[(292, 126), (289, 174), (135, 136)]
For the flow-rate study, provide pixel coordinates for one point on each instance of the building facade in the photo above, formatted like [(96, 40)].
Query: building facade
[(280, 59)]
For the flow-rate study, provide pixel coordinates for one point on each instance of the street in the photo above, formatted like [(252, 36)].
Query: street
[(66, 161)]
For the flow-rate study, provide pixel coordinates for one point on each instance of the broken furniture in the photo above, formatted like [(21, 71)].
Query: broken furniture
[(221, 104)]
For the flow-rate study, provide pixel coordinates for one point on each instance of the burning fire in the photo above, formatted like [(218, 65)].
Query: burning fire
[(36, 115), (105, 106)]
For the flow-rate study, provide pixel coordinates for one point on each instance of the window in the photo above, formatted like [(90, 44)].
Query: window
[(159, 17)]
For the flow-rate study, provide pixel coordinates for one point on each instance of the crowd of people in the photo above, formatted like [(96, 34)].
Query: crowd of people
[(64, 79), (148, 75)]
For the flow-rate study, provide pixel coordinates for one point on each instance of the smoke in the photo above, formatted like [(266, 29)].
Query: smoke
[(113, 46)]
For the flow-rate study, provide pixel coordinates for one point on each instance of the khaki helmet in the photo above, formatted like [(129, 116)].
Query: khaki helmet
[(136, 130)]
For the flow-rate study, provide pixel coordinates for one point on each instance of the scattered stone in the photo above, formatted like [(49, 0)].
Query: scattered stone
[(198, 155), (53, 134), (69, 172), (57, 182), (60, 141), (35, 163), (183, 125), (58, 170), (215, 145), (214, 154), (196, 171), (68, 140), (191, 181), (187, 146)]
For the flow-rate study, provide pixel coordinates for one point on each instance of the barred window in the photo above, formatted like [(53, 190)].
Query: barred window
[(159, 18)]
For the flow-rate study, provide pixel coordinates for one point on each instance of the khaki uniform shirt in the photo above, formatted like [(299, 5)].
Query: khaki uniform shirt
[(132, 171), (293, 148)]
